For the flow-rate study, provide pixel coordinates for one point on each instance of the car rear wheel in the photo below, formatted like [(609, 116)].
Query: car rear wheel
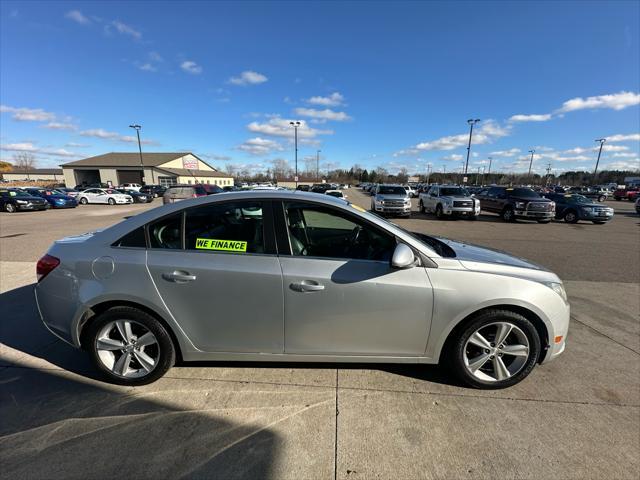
[(508, 215), (111, 201), (9, 208), (129, 346), (602, 198), (84, 201), (571, 217), (496, 350)]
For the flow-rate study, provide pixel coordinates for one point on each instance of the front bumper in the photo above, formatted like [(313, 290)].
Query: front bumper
[(123, 202), (595, 216), (535, 214), (404, 210), (463, 211), (31, 206)]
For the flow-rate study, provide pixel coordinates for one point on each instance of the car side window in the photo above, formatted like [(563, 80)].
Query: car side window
[(166, 232), (319, 231), (229, 227)]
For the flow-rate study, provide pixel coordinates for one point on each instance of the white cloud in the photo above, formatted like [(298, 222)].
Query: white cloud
[(155, 57), (31, 148), (191, 67), (28, 114), (506, 153), (326, 114), (530, 118), (76, 145), (615, 101), (633, 165), (454, 157), (147, 67), (114, 136), (78, 17), (125, 29), (260, 146), (280, 127), (60, 126), (624, 138), (248, 77), (624, 155), (486, 133), (332, 100)]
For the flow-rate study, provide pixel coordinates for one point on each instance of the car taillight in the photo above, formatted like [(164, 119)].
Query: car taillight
[(46, 265)]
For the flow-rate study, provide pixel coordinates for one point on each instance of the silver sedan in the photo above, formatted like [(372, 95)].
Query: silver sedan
[(294, 276)]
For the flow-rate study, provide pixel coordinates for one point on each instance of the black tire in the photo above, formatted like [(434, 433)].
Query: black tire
[(602, 198), (111, 201), (439, 213), (455, 354), (570, 216), (617, 199), (508, 214), (421, 206), (10, 207), (83, 201), (473, 217), (166, 355)]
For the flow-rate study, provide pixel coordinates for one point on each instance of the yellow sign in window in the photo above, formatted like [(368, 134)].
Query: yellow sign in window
[(221, 245)]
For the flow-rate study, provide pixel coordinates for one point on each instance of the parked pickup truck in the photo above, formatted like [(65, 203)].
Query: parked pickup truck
[(629, 193), (449, 200), (518, 202), (390, 200)]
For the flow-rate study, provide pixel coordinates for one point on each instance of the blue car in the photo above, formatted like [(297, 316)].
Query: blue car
[(54, 198)]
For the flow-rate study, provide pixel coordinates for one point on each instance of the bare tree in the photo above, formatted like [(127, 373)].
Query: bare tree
[(231, 169), (281, 168), (24, 161)]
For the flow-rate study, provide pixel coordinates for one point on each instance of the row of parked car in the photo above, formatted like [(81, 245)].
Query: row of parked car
[(510, 203)]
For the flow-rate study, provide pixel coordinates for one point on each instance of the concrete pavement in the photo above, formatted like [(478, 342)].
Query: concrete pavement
[(577, 417)]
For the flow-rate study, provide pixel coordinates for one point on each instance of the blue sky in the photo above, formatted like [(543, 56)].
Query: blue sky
[(376, 84)]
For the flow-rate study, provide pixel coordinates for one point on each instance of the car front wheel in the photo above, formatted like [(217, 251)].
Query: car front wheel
[(111, 201), (84, 201), (439, 213), (508, 215), (571, 217), (129, 346), (496, 350), (9, 208)]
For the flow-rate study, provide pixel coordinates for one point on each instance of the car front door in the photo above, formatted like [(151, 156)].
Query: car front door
[(432, 199), (221, 279), (341, 296)]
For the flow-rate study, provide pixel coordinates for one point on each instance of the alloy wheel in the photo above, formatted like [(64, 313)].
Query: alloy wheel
[(10, 208), (496, 352), (127, 348), (570, 217)]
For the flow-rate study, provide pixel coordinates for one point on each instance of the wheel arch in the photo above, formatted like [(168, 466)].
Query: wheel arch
[(530, 315), (99, 308)]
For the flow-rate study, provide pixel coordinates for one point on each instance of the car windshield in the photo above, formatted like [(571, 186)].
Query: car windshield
[(385, 190), (578, 199), (454, 191), (523, 192)]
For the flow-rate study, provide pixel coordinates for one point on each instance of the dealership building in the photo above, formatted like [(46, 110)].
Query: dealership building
[(156, 169)]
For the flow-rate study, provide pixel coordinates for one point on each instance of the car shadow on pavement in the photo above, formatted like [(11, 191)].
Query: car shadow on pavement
[(56, 424)]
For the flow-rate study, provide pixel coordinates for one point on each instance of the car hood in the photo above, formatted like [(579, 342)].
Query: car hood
[(530, 199), (30, 198), (482, 259), (456, 197)]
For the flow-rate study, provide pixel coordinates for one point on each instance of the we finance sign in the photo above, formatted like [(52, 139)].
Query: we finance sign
[(190, 163)]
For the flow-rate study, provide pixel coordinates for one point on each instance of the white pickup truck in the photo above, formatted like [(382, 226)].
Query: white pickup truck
[(449, 200)]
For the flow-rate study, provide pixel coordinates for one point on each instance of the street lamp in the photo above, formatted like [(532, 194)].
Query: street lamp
[(295, 126), (531, 161), (428, 172), (137, 128), (490, 160), (318, 165), (601, 140), (471, 123)]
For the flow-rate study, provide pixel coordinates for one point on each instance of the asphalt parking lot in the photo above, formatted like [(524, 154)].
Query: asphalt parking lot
[(576, 417)]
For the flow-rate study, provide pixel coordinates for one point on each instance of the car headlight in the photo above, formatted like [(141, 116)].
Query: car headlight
[(378, 201), (22, 202), (407, 201), (559, 289), (521, 204)]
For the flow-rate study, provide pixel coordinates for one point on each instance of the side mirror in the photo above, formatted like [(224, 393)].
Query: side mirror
[(403, 257)]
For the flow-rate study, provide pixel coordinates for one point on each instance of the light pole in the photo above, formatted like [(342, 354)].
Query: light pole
[(137, 128), (483, 167), (318, 165), (477, 176), (471, 123), (490, 160), (428, 172), (601, 140), (295, 126), (531, 161)]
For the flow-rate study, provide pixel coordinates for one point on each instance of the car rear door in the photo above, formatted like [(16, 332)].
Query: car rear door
[(220, 276), (341, 296)]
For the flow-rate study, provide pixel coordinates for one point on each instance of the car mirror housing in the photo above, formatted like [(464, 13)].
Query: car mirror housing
[(403, 257)]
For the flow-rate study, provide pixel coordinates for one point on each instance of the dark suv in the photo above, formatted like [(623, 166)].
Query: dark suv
[(518, 202)]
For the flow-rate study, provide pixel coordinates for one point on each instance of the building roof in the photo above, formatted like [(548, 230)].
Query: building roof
[(183, 172), (35, 171), (128, 159)]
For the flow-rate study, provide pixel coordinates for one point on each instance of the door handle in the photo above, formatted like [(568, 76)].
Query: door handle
[(179, 277), (307, 286)]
